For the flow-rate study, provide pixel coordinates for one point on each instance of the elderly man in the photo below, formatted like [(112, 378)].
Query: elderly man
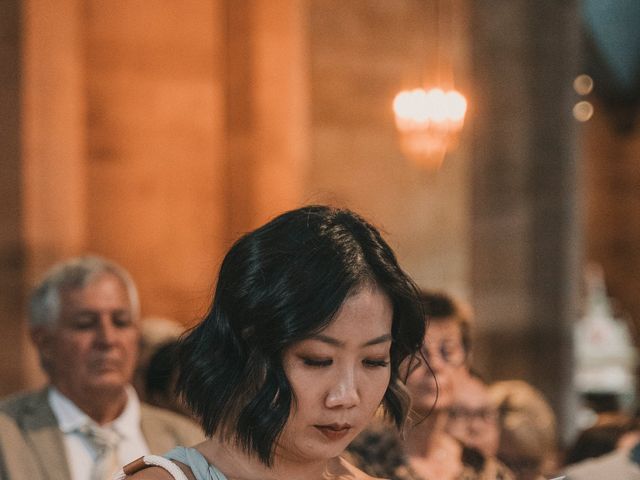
[(84, 321)]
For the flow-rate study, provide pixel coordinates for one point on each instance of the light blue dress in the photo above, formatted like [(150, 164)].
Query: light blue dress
[(196, 462)]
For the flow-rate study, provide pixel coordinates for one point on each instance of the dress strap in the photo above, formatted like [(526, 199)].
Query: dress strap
[(201, 468), (150, 461)]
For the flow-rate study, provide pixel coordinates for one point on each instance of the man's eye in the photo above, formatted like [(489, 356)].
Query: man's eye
[(375, 363), (317, 362), (83, 322), (122, 320)]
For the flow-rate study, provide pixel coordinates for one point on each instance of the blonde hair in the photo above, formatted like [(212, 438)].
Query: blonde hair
[(528, 426)]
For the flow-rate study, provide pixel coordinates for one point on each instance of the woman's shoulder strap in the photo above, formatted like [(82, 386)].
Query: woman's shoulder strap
[(153, 461)]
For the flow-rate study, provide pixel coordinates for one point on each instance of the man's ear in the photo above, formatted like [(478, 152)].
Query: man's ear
[(42, 338)]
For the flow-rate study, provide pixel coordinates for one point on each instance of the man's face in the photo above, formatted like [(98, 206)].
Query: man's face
[(92, 348)]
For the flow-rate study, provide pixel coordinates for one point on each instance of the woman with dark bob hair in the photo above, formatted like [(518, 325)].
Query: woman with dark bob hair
[(311, 319)]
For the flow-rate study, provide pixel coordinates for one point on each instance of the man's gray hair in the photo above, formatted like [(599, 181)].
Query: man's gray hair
[(75, 273)]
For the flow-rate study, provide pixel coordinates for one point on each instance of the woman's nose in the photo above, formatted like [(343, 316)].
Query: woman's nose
[(437, 363), (344, 392)]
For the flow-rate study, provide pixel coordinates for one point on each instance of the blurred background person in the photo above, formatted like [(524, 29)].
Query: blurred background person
[(160, 379), (155, 332), (428, 450), (84, 321), (528, 437), (473, 420)]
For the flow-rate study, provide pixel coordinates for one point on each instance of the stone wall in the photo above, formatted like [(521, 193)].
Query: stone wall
[(362, 54), (12, 254), (526, 228), (155, 147)]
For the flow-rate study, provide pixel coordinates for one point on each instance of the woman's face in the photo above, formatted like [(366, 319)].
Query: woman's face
[(445, 353), (338, 377)]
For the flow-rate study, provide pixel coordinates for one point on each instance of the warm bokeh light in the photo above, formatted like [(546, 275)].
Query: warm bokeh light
[(583, 84), (583, 111), (419, 106), (428, 123)]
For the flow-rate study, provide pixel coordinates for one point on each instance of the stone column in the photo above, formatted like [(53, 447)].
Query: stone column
[(12, 251), (267, 109), (156, 152), (42, 184), (526, 237)]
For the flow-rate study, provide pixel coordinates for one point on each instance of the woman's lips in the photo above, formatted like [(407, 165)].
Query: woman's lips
[(334, 431)]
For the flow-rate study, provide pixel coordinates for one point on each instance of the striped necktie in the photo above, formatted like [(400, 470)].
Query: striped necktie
[(104, 442)]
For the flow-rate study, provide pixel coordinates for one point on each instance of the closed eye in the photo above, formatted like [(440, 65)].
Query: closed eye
[(84, 321), (122, 320), (371, 363), (317, 362)]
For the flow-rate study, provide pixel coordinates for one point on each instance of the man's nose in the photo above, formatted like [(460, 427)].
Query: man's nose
[(106, 331), (344, 391)]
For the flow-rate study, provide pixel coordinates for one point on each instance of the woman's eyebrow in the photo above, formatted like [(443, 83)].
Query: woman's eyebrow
[(381, 339), (337, 343)]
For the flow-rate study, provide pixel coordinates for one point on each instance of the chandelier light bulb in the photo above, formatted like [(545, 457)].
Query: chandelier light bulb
[(428, 123), (420, 106), (456, 106)]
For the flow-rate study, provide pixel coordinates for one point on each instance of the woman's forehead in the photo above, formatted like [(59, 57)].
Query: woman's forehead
[(444, 329), (368, 311)]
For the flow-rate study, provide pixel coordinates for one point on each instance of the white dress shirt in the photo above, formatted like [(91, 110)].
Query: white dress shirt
[(132, 443)]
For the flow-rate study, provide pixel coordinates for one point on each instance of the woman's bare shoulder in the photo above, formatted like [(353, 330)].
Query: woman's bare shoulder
[(150, 473)]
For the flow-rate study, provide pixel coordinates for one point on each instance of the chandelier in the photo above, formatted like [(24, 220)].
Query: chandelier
[(429, 120)]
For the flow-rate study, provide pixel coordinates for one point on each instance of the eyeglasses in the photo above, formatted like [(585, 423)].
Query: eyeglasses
[(487, 415), (452, 353)]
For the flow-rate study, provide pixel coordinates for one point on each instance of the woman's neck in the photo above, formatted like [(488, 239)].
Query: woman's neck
[(237, 465)]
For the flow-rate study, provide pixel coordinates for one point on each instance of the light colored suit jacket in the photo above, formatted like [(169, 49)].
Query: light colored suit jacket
[(32, 445)]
